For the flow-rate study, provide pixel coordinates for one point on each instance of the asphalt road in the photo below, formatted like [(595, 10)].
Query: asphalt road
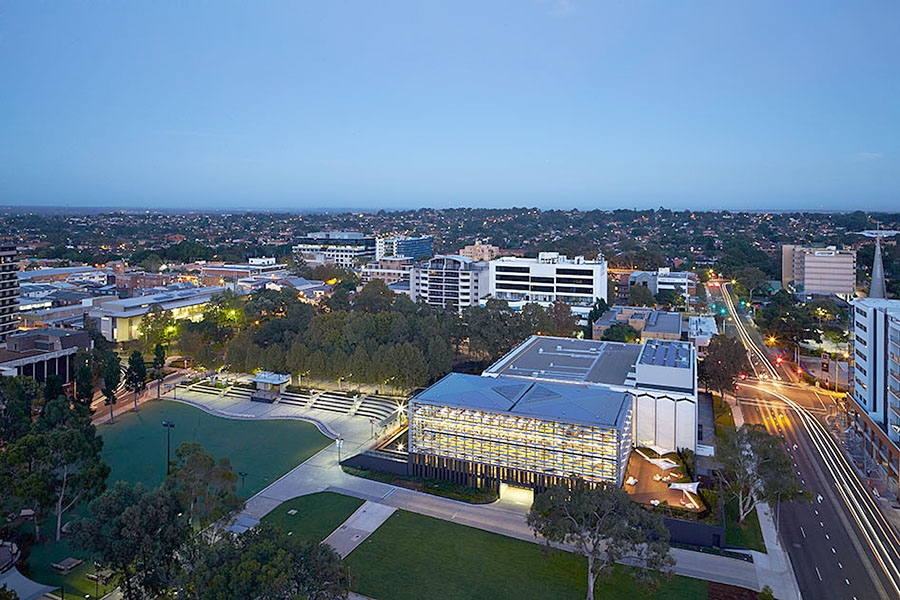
[(840, 544), (827, 550)]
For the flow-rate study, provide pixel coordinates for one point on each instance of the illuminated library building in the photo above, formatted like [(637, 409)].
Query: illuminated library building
[(556, 408)]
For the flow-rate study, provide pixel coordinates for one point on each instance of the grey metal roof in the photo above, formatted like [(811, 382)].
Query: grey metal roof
[(555, 401), (568, 360)]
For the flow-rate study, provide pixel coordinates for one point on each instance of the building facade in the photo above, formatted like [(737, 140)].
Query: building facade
[(416, 248), (810, 270), (225, 274), (119, 320), (9, 291), (548, 278), (39, 353), (346, 249), (479, 251), (449, 281), (682, 283), (874, 395), (390, 270), (554, 409)]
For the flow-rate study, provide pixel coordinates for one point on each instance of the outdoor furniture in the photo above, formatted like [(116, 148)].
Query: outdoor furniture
[(657, 477), (67, 565), (655, 502), (631, 481), (101, 576)]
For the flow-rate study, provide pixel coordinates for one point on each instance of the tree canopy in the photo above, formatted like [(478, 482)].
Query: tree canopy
[(135, 533), (640, 295), (606, 526), (754, 466), (726, 359), (57, 464)]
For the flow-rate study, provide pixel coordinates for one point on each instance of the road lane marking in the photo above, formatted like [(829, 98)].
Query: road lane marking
[(819, 575)]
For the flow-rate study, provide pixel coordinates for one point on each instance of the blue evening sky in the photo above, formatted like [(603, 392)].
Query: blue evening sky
[(382, 104)]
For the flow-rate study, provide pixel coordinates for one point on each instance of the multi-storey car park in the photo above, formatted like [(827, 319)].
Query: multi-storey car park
[(556, 408)]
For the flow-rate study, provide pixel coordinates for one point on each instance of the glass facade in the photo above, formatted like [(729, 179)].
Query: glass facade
[(524, 443)]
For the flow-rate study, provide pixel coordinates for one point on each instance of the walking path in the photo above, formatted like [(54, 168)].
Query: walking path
[(322, 472), (358, 526)]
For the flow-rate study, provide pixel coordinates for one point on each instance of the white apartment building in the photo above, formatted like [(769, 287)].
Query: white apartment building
[(873, 406), (876, 361), (548, 278), (818, 270), (450, 281), (343, 248)]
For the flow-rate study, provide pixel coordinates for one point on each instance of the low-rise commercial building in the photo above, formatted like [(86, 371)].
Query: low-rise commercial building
[(228, 274), (119, 320), (403, 245), (682, 283), (479, 251), (556, 408), (39, 353), (70, 274), (130, 283), (551, 276), (346, 249), (449, 281), (701, 331), (818, 270), (650, 323), (389, 269)]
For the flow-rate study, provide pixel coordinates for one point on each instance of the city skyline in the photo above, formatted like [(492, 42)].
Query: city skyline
[(546, 104)]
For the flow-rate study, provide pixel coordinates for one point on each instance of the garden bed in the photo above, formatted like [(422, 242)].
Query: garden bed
[(435, 487)]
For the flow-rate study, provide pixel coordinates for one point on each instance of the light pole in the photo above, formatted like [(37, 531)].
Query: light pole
[(340, 442), (169, 425), (242, 474)]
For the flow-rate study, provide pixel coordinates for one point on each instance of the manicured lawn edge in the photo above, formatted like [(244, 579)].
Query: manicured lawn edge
[(436, 487)]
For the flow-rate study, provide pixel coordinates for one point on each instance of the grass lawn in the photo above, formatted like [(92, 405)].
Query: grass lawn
[(724, 418), (317, 514), (135, 449), (413, 556), (748, 535)]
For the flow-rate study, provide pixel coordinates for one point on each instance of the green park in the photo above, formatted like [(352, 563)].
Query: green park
[(135, 448)]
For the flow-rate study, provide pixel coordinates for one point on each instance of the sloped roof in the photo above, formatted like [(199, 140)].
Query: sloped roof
[(557, 401)]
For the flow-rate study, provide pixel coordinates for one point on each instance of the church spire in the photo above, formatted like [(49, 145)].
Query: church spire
[(878, 288)]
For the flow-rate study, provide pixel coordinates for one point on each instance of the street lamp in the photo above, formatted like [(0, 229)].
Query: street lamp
[(242, 474), (169, 425), (340, 443)]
